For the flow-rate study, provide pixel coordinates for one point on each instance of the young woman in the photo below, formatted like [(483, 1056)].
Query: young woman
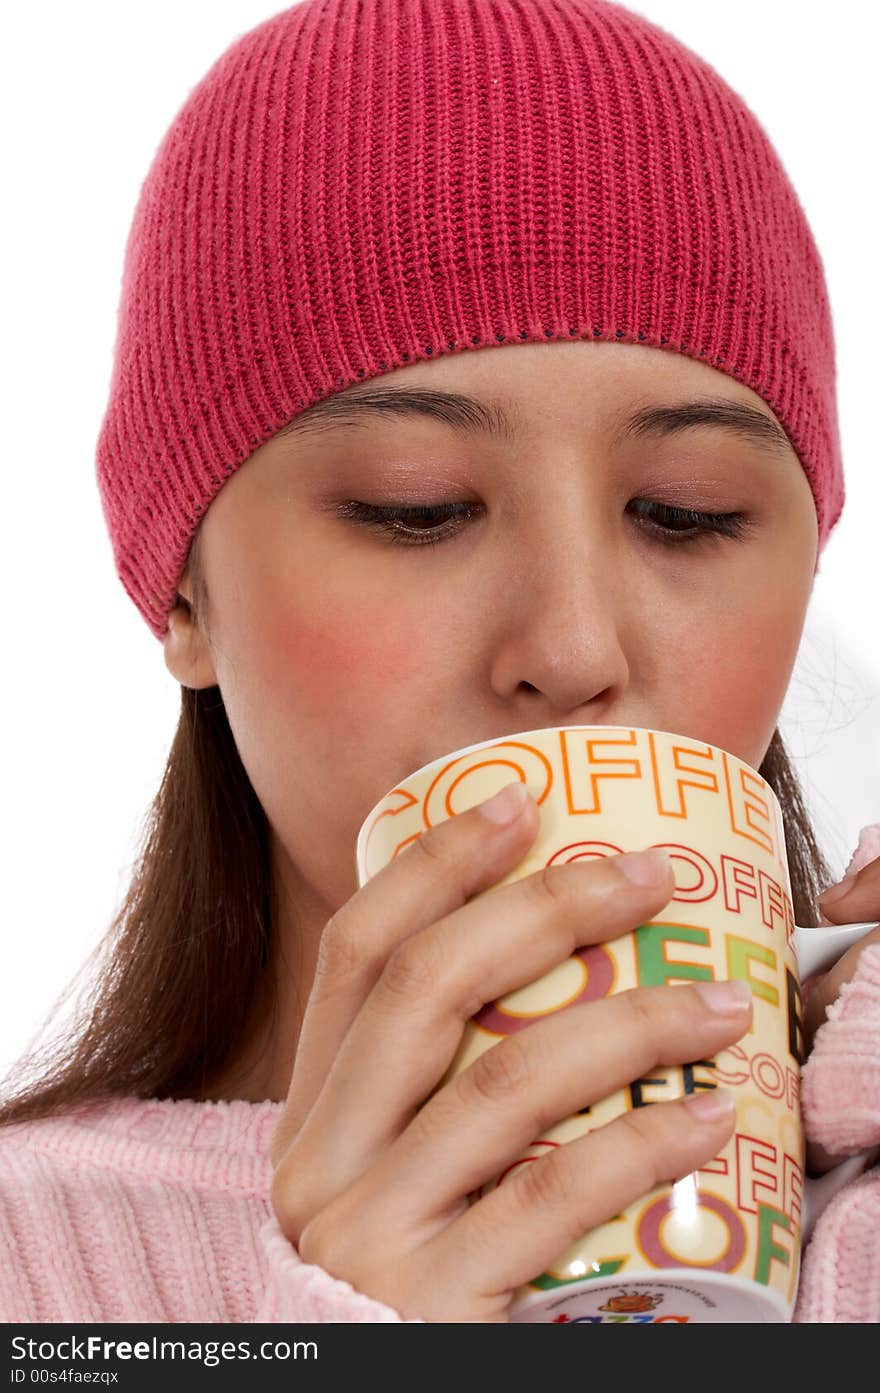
[(475, 373)]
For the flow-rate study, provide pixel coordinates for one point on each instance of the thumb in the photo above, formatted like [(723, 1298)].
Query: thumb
[(823, 991)]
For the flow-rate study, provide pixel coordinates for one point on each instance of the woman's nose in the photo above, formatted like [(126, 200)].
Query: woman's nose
[(561, 624)]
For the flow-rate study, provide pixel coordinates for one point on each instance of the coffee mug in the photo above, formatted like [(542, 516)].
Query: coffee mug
[(721, 1244)]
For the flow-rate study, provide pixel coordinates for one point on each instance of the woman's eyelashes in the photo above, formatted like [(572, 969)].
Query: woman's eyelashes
[(663, 521), (668, 525)]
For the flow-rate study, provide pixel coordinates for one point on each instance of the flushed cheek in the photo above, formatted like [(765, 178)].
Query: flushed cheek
[(348, 668), (328, 708), (734, 678)]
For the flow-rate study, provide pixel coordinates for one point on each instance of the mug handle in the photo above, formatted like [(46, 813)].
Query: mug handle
[(817, 949)]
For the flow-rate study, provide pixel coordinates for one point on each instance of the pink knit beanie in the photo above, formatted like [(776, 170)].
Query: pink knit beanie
[(360, 184)]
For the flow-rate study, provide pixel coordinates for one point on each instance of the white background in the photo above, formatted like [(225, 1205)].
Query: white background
[(89, 708)]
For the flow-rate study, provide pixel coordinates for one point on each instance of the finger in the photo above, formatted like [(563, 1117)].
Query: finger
[(859, 900), (491, 1112), (406, 1035), (818, 1161), (826, 989), (437, 874), (516, 1231)]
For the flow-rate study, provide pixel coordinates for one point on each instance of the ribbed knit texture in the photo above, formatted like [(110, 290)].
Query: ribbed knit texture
[(840, 1280), (360, 184), (841, 1101), (155, 1211)]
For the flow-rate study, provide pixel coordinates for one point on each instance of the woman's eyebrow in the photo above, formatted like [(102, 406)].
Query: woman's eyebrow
[(737, 418), (494, 418), (465, 414)]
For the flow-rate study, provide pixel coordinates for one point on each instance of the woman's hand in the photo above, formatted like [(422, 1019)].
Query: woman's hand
[(848, 903), (375, 1162)]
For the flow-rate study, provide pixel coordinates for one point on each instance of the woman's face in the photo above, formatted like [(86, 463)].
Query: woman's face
[(347, 660)]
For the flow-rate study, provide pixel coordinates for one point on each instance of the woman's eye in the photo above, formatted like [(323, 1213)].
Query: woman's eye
[(668, 525), (675, 526), (402, 524)]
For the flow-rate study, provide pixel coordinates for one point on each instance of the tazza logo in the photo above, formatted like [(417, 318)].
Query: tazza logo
[(631, 1302)]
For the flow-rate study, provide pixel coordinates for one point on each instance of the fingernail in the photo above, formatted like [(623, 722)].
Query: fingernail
[(649, 867), (507, 805), (711, 1106), (728, 998), (837, 892)]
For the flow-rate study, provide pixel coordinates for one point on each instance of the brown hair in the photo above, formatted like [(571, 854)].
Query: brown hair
[(186, 961)]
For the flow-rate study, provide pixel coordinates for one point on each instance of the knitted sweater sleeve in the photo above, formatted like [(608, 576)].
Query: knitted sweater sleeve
[(840, 1084), (840, 1280), (840, 1099), (840, 1087), (301, 1292)]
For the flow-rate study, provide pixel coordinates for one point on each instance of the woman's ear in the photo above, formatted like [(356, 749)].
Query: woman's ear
[(187, 650)]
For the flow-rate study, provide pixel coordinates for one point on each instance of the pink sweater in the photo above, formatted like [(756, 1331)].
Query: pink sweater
[(159, 1211)]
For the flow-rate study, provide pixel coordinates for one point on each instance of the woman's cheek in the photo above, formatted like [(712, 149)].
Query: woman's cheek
[(734, 679), (349, 665)]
